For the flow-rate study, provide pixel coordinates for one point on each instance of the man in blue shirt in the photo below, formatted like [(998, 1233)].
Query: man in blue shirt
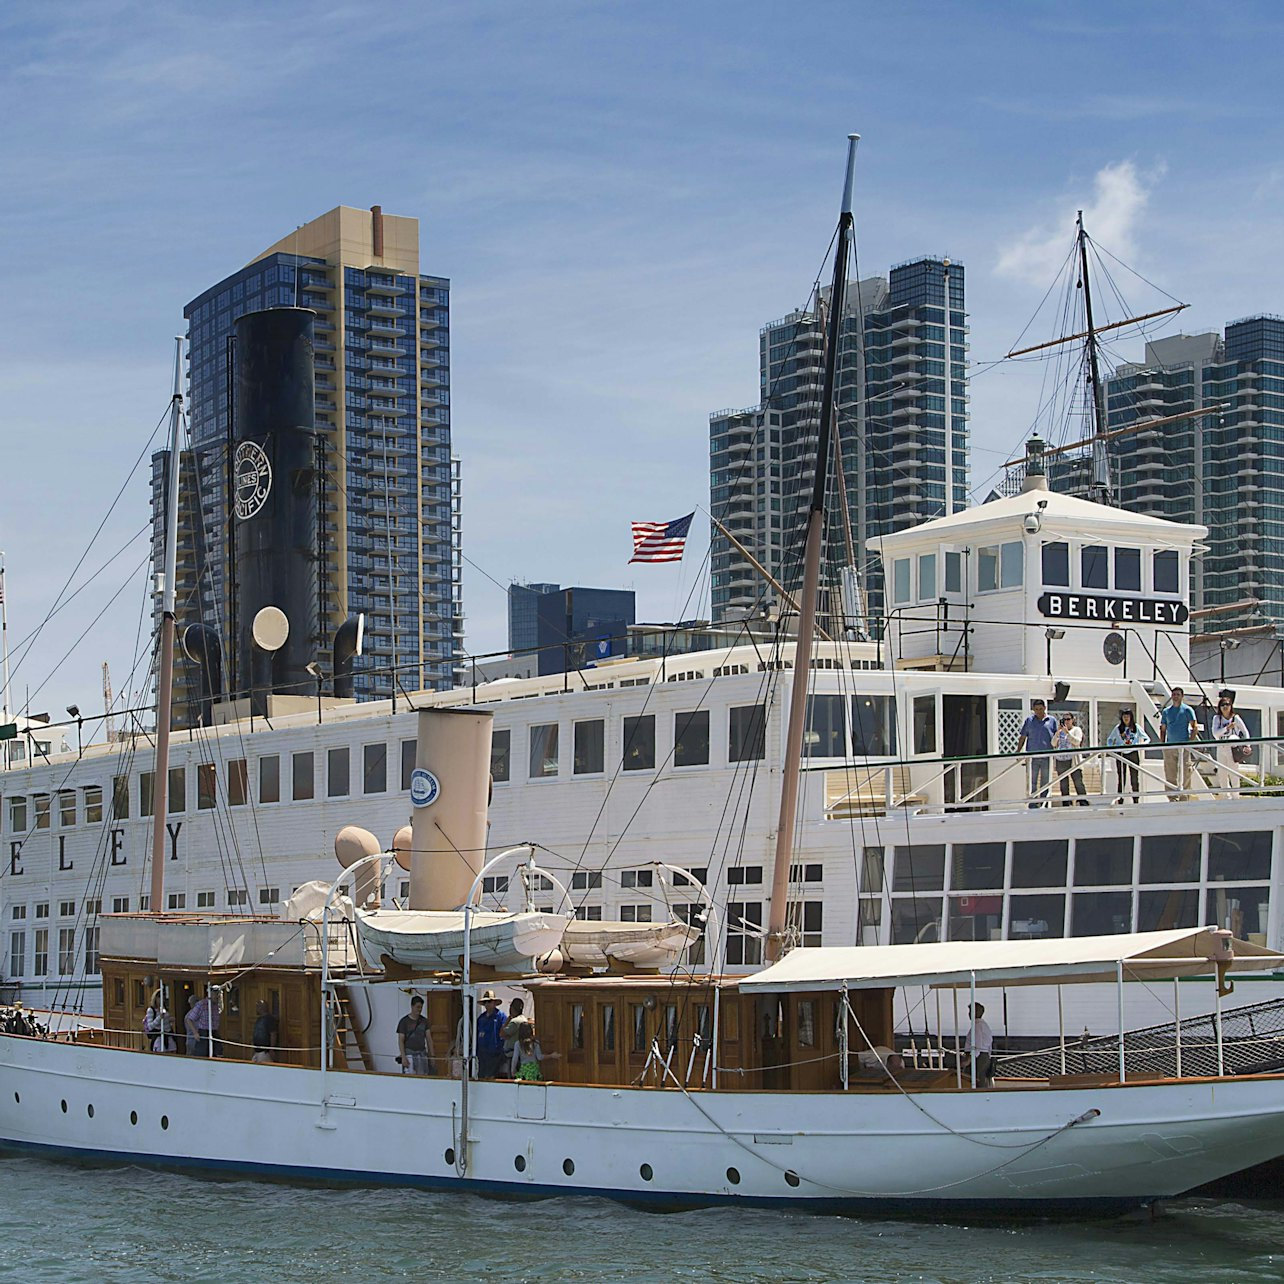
[(1037, 732), (1177, 726), (490, 1046)]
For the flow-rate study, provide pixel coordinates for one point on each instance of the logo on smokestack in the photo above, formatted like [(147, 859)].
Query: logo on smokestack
[(252, 479)]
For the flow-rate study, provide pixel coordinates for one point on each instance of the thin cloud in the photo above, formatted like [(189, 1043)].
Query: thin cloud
[(1112, 216)]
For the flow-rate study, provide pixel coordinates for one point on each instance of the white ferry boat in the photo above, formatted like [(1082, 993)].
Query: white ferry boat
[(904, 815)]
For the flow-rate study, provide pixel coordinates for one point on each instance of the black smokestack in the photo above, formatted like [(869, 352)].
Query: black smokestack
[(274, 500)]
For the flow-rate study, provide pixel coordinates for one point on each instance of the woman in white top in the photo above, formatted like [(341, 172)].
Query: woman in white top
[(1227, 726)]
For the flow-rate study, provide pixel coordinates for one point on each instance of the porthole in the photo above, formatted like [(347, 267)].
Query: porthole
[(645, 1172), (733, 1176), (520, 1163), (449, 1156), (133, 1117), (17, 1100), (164, 1122), (568, 1167), (90, 1110), (64, 1107), (792, 1178)]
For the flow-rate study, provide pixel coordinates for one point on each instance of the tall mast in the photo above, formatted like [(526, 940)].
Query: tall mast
[(165, 687), (1100, 489), (811, 578), (4, 641)]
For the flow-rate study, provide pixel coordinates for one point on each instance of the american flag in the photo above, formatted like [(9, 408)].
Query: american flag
[(660, 541)]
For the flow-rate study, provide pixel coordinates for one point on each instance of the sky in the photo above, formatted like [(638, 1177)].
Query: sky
[(622, 196)]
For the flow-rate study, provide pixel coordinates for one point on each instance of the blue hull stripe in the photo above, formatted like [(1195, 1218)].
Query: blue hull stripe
[(658, 1200)]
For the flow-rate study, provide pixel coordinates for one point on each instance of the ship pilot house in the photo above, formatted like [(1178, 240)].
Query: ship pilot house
[(1068, 594)]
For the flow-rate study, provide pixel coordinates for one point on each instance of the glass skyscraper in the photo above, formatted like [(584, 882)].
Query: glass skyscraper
[(389, 526), (1223, 469), (901, 395)]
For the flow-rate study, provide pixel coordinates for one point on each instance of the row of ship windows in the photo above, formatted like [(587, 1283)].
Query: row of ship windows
[(690, 747)]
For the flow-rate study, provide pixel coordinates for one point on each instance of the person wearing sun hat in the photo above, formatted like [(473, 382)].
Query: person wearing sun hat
[(490, 1042)]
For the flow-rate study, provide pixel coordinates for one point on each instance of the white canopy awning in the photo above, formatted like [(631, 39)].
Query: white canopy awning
[(1049, 961)]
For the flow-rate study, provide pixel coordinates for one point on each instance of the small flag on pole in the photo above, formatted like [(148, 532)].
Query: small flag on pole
[(660, 541)]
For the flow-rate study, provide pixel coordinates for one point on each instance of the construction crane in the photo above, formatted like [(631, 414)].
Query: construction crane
[(109, 723)]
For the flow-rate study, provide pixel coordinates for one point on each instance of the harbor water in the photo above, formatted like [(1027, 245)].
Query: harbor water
[(65, 1224)]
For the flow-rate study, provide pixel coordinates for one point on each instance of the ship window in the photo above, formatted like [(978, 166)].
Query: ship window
[(500, 755), (901, 580), (639, 743), (120, 904), (747, 733), (872, 869), (1128, 569), (577, 1026), (1170, 858), (638, 1015), (270, 778), (1094, 566), (120, 798), (1244, 910), (66, 808), (40, 961), (954, 572), (807, 919), (873, 725), (1166, 572), (42, 909), (924, 724), (41, 802), (205, 900), (302, 773), (1170, 908), (919, 869), (1236, 857), (93, 805), (206, 785), (17, 954), (1039, 864), (589, 913), (238, 783), (635, 913), (977, 865), (1101, 862), (608, 1028), (1012, 565), (691, 739), (737, 876), (1056, 565), (916, 920), (590, 748), (1100, 913), (987, 568), (338, 772), (177, 901), (1030, 917), (583, 880), (146, 793), (18, 911), (826, 733), (374, 769), (806, 1023), (18, 815), (67, 909), (177, 790), (269, 895), (409, 749), (543, 750), (976, 918), (744, 946), (927, 577)]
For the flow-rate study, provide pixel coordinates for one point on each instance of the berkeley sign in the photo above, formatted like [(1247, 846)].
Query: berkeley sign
[(1112, 610)]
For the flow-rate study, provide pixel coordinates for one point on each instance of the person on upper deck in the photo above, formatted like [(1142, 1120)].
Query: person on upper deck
[(1178, 726), (1229, 726), (265, 1034), (490, 1042), (414, 1040), (1037, 732), (1066, 743), (1123, 736)]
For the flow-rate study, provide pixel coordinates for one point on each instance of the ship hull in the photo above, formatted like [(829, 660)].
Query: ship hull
[(1001, 1152)]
